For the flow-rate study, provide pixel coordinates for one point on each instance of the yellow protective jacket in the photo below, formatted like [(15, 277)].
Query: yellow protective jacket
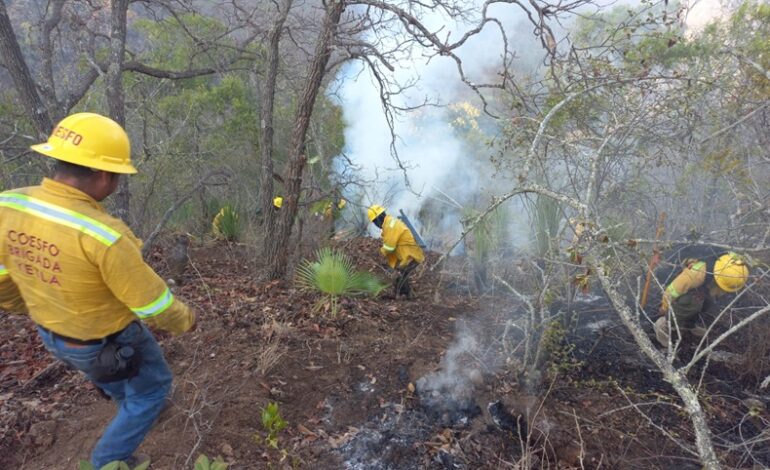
[(398, 244), (691, 277), (77, 270)]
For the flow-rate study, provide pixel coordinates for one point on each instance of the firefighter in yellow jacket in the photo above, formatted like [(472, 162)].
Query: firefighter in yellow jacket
[(694, 290), (398, 247), (79, 274)]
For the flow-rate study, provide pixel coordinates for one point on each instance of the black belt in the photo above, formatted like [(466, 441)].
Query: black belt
[(86, 342)]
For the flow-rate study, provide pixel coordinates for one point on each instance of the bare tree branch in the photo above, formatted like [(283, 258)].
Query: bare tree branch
[(205, 181)]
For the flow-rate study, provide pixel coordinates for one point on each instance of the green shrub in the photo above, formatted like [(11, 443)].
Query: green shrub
[(333, 275), (227, 224), (273, 423)]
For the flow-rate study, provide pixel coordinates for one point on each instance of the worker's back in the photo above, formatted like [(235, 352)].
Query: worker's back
[(54, 243), (395, 233), (73, 263)]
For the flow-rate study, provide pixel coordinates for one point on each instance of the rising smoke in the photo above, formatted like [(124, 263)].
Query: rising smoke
[(444, 150)]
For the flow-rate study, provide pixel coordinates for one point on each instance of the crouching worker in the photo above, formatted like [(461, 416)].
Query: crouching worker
[(79, 274), (398, 247), (694, 290)]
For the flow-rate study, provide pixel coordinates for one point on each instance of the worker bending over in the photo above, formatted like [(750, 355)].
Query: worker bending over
[(398, 247), (80, 275), (694, 290)]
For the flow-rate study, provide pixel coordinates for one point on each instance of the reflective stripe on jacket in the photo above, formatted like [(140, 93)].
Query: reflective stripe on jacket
[(398, 244), (78, 270), (691, 277)]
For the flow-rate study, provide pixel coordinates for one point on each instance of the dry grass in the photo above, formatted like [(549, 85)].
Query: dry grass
[(272, 347)]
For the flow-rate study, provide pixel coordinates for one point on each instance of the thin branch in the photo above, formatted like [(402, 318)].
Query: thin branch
[(226, 174)]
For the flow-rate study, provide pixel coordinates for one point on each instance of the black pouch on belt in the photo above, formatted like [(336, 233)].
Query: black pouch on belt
[(115, 362)]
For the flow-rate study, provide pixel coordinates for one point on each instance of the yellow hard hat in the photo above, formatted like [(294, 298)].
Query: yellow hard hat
[(90, 140), (730, 272), (278, 202), (374, 211)]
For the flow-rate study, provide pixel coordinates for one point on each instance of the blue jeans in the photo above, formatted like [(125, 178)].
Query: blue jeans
[(140, 399)]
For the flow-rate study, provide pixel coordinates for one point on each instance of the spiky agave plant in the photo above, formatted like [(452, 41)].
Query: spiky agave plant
[(227, 224), (333, 274)]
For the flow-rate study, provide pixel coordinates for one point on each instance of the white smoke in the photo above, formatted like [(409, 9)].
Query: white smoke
[(702, 12), (436, 161), (459, 371)]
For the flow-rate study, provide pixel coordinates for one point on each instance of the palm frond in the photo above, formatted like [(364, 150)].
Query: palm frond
[(332, 273)]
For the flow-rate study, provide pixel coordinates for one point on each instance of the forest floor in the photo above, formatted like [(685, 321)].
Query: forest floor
[(385, 384)]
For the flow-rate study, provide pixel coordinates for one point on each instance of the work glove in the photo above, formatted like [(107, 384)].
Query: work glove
[(687, 262)]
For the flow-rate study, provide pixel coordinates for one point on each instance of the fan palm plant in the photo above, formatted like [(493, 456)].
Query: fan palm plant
[(333, 275)]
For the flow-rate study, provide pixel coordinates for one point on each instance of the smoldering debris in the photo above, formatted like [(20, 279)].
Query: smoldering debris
[(447, 395), (391, 439), (448, 403), (447, 399), (505, 420)]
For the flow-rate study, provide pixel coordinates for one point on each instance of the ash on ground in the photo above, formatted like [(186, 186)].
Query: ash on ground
[(393, 439), (388, 442)]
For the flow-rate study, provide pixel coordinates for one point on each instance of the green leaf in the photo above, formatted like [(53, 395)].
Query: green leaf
[(143, 466), (84, 465), (269, 415), (227, 224), (279, 424), (218, 464), (333, 274), (202, 463), (115, 465)]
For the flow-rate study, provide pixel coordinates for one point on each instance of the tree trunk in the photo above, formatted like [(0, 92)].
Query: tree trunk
[(115, 98), (266, 123), (277, 243), (48, 80), (22, 79)]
